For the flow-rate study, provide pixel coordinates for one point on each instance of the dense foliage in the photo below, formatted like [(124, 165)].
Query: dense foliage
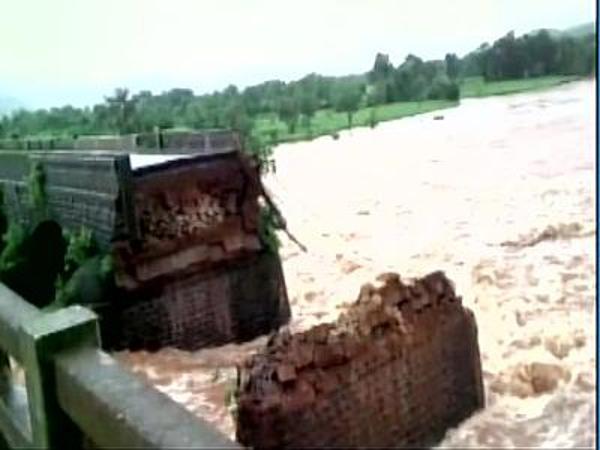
[(3, 219), (81, 246), (13, 245), (87, 276), (31, 260), (532, 55), (268, 223), (36, 181), (295, 103), (67, 269)]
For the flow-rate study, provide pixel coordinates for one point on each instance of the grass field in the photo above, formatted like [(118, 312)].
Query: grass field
[(327, 121), (477, 87)]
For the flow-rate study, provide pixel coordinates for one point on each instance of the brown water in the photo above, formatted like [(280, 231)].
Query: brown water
[(500, 195)]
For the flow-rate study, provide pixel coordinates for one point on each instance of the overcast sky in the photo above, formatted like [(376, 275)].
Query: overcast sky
[(54, 52)]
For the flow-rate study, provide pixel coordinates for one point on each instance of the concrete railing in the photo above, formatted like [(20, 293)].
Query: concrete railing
[(165, 141), (75, 393)]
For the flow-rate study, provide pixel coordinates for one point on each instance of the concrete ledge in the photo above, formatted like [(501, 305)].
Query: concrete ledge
[(40, 340), (74, 389), (14, 312), (166, 141), (14, 417), (116, 409)]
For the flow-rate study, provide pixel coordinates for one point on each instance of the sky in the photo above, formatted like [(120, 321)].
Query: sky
[(57, 52)]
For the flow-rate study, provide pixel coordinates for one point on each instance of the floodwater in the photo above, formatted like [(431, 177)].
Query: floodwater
[(500, 195)]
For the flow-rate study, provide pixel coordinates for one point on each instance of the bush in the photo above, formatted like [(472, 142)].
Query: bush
[(89, 284), (36, 182), (444, 89), (3, 220), (31, 261), (453, 92), (373, 121), (86, 273), (268, 223), (14, 248), (81, 246)]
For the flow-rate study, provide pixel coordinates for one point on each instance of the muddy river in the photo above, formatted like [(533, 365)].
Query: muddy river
[(500, 195)]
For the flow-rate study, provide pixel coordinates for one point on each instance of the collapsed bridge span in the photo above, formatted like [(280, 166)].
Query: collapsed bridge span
[(398, 368)]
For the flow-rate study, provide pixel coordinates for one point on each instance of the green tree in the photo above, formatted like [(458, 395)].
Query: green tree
[(308, 104), (382, 68), (412, 79), (289, 112), (442, 88), (347, 99), (196, 116), (122, 110), (373, 121), (452, 66), (237, 118)]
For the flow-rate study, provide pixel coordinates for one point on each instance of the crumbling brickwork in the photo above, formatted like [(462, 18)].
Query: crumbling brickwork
[(232, 303), (398, 368), (190, 215), (198, 261)]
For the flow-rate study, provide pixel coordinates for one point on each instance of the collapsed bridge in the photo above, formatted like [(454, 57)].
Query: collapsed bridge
[(179, 217)]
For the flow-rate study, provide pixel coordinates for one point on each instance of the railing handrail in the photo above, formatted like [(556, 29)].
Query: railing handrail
[(14, 313), (72, 385), (116, 409)]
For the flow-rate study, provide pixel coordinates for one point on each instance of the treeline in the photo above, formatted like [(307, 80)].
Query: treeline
[(296, 102), (413, 80), (532, 55)]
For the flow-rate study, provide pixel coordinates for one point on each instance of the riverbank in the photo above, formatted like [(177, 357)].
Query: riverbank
[(328, 122)]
